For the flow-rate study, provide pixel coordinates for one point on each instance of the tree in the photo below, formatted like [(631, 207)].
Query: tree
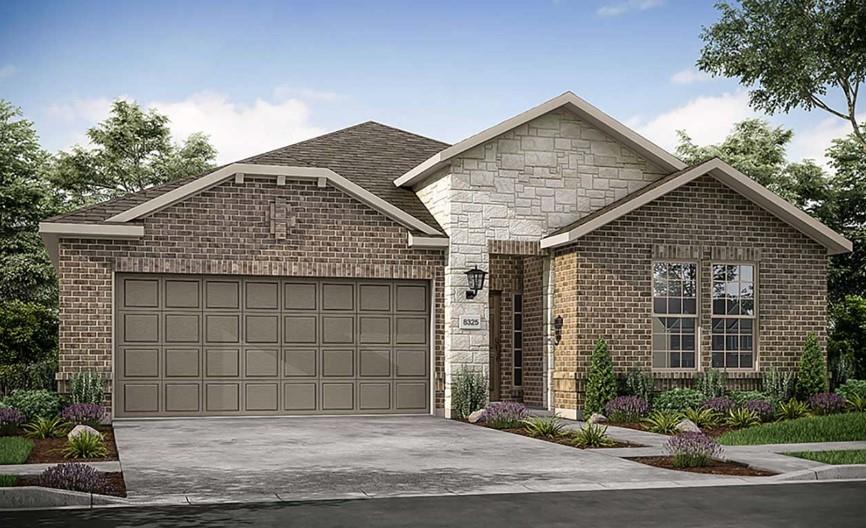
[(130, 151), (812, 374), (847, 344), (792, 54), (600, 382)]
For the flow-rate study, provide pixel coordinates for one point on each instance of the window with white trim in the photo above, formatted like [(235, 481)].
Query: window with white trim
[(518, 340), (733, 316), (675, 312)]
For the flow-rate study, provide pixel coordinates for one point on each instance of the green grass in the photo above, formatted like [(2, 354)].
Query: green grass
[(831, 428), (7, 481), (14, 449), (848, 456)]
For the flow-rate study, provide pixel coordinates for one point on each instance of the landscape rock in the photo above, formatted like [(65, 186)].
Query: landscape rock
[(597, 418), (688, 426), (79, 429), (475, 416)]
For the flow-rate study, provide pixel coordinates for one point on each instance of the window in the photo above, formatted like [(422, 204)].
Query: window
[(733, 319), (518, 340), (675, 309)]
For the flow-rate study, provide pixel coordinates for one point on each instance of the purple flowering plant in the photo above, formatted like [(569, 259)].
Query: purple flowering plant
[(10, 420), (74, 476), (762, 408), (625, 409), (83, 413), (720, 404), (504, 415), (827, 403), (692, 449)]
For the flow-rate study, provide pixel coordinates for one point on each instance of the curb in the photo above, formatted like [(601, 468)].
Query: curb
[(36, 497), (840, 472)]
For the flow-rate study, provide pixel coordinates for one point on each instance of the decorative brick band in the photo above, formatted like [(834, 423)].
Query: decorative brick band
[(514, 247), (309, 268)]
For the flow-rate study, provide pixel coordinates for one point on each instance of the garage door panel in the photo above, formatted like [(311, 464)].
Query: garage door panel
[(183, 397), (208, 345), (300, 363), (182, 328), (140, 362)]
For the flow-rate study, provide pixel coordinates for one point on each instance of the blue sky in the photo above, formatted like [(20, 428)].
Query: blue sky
[(261, 74)]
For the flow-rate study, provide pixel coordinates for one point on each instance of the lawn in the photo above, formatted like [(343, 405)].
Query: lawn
[(830, 428), (7, 481), (14, 449), (849, 456)]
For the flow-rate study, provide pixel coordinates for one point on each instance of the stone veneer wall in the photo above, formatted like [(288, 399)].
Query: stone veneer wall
[(226, 230), (520, 186), (603, 283)]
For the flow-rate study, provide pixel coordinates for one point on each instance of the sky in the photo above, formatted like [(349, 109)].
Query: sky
[(261, 74)]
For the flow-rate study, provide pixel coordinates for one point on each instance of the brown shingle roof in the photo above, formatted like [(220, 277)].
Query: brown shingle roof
[(370, 154)]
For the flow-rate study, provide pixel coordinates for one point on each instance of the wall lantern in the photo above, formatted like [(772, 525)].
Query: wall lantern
[(557, 328), (476, 281)]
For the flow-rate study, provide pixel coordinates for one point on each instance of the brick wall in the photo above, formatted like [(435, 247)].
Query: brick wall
[(603, 282), (226, 230)]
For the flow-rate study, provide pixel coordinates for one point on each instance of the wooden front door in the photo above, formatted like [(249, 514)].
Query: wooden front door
[(495, 345)]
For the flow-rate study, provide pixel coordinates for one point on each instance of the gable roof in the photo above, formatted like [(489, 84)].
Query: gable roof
[(369, 155), (568, 100), (726, 174)]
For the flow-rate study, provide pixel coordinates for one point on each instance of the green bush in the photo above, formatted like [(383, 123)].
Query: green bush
[(791, 410), (742, 418), (38, 375), (46, 428), (679, 400), (600, 382), (87, 387), (592, 436), (702, 417), (85, 445), (778, 385), (28, 332), (544, 426), (469, 392), (663, 422), (741, 397), (35, 403), (852, 388), (640, 384), (812, 375), (711, 383)]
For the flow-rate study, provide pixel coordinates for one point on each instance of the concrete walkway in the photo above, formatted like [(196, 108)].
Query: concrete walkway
[(207, 460)]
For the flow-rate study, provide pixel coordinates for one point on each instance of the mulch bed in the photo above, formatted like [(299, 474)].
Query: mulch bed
[(637, 426), (715, 467), (50, 450), (116, 485), (563, 440)]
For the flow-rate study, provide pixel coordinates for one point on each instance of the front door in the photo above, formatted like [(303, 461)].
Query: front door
[(495, 345)]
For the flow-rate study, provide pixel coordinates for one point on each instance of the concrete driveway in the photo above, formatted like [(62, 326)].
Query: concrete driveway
[(206, 460)]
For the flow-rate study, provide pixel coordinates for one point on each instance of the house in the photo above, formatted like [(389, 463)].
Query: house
[(330, 276)]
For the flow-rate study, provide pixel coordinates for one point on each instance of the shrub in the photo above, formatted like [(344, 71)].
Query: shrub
[(14, 449), (852, 388), (640, 384), (663, 422), (85, 445), (87, 387), (46, 428), (720, 405), (35, 403), (679, 400), (504, 415), (812, 375), (791, 410), (83, 413), (826, 403), (37, 375), (600, 382), (692, 449), (741, 397), (857, 403), (711, 383), (778, 385), (702, 417), (28, 332), (762, 408), (469, 392), (74, 476), (742, 417), (626, 409), (544, 426), (592, 435), (10, 421)]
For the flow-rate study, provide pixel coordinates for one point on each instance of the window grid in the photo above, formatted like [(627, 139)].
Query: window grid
[(674, 309), (517, 349), (733, 316)]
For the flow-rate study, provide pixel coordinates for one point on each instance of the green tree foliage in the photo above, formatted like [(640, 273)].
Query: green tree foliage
[(600, 382), (792, 54), (130, 151), (812, 374), (848, 335)]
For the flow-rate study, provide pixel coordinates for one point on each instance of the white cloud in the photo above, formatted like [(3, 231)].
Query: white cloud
[(7, 71), (811, 143), (236, 129), (621, 8), (689, 76), (707, 119)]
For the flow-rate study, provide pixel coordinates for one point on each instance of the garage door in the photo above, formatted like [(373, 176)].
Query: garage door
[(213, 345)]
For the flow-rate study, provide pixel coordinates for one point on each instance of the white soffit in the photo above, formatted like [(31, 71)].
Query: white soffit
[(731, 177), (218, 176), (582, 108)]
